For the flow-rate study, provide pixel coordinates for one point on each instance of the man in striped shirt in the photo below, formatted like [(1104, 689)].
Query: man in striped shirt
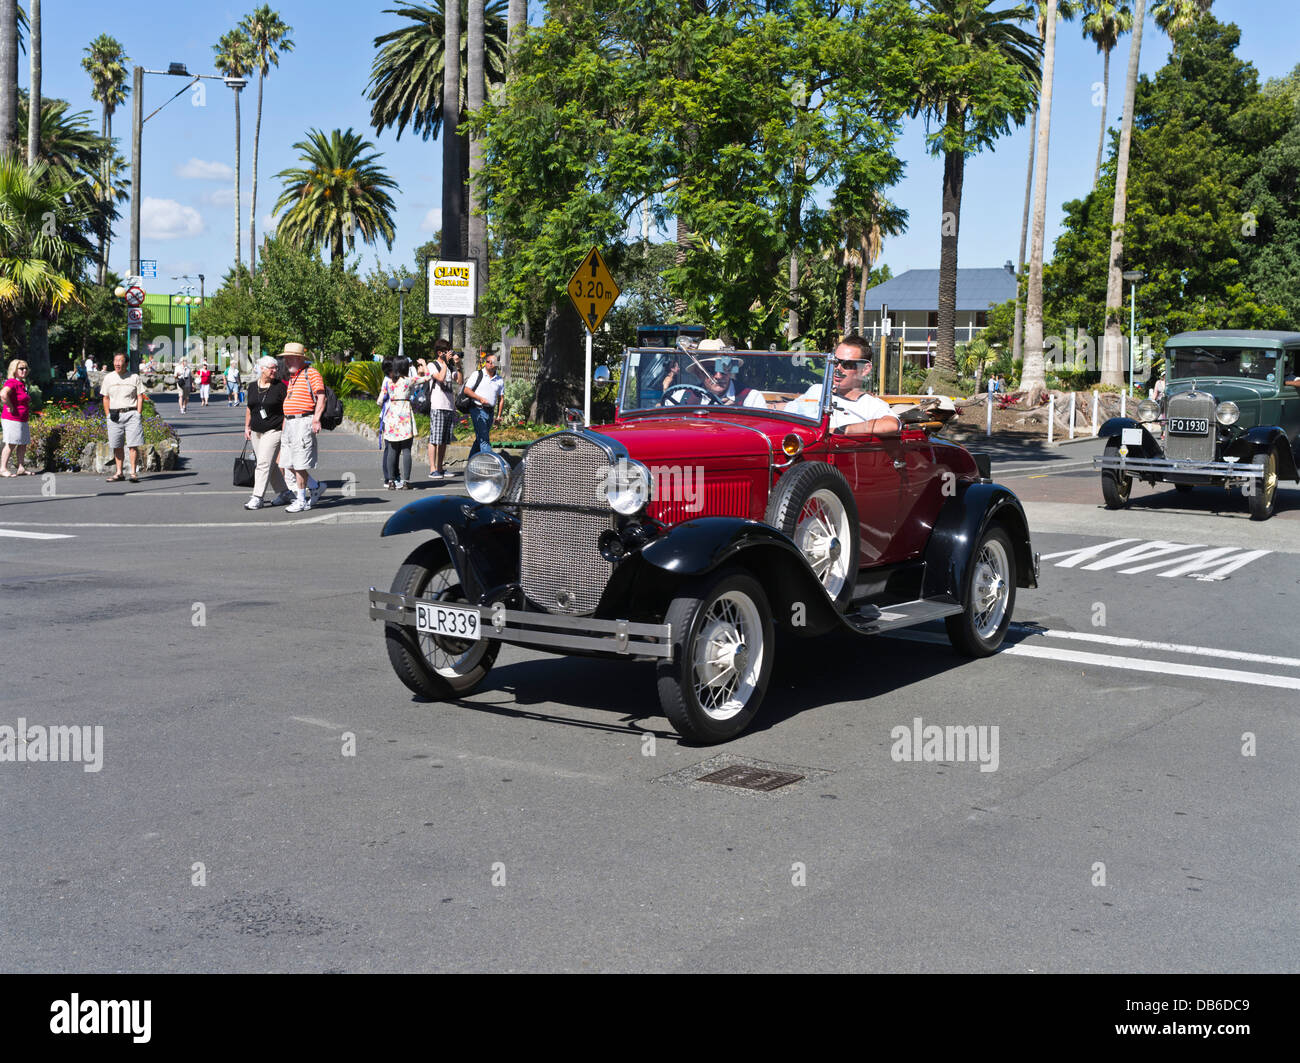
[(304, 402)]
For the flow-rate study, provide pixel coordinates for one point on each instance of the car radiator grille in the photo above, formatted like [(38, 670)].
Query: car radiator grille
[(1192, 448), (714, 498), (561, 569)]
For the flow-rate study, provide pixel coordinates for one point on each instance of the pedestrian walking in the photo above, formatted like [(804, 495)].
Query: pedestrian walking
[(15, 407), (232, 383), (123, 395), (304, 403), (184, 383), (205, 383), (264, 427), (487, 390), (398, 424), (444, 382)]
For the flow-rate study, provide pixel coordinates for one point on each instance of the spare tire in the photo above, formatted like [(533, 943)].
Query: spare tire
[(813, 504)]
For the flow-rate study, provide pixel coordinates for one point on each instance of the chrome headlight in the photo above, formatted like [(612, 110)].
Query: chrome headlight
[(1227, 413), (1148, 410), (627, 487), (486, 476)]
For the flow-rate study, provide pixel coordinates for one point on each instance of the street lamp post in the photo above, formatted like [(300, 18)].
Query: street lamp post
[(401, 287), (1132, 276)]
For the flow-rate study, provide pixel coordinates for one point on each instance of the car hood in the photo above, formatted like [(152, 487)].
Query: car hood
[(668, 440), (1225, 388)]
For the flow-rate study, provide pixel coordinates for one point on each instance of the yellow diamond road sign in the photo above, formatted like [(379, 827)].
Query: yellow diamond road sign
[(593, 290)]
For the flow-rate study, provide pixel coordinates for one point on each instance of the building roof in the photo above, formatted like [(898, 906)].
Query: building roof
[(918, 289), (1241, 338)]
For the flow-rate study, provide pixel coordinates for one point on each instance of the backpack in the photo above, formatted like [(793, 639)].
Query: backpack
[(463, 402), (420, 401), (332, 414)]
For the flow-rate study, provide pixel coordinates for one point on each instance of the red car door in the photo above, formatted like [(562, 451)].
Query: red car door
[(874, 476)]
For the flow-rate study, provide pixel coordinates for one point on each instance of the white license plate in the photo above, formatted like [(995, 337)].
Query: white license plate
[(456, 621), (1132, 437)]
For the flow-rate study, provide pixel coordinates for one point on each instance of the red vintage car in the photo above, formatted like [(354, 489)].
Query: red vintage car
[(733, 494)]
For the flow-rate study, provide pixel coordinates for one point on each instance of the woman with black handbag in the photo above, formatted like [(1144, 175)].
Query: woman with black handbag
[(263, 423)]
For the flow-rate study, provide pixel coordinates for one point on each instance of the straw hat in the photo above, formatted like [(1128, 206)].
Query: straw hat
[(292, 350)]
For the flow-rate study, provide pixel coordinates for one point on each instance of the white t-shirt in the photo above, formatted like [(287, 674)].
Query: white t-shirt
[(754, 399), (489, 387), (843, 411)]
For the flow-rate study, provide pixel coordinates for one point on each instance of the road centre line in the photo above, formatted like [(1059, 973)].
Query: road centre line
[(1130, 664), (1166, 647)]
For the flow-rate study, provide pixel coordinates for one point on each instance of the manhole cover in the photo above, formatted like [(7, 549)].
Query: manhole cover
[(751, 778)]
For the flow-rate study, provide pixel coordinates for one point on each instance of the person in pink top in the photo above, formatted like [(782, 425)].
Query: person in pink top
[(205, 383), (14, 412)]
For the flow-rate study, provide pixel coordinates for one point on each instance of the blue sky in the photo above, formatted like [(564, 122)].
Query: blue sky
[(188, 154)]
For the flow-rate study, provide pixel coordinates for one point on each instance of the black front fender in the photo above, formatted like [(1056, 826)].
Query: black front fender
[(1264, 435), (483, 541), (961, 525), (1114, 428), (693, 549)]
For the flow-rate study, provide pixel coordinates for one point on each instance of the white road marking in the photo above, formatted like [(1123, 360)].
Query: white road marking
[(6, 533), (319, 723), (1211, 563), (324, 518), (1131, 664), (1164, 647)]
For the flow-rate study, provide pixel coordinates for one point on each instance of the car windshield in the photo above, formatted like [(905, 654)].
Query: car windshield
[(1249, 362), (789, 382)]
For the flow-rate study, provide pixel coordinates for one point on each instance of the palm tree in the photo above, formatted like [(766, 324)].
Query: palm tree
[(337, 193), (1105, 22), (1065, 11), (37, 263), (106, 63), (1174, 16), (34, 80), (411, 78), (963, 86), (235, 59), (474, 95), (1033, 379), (8, 75), (882, 219), (516, 20), (270, 37)]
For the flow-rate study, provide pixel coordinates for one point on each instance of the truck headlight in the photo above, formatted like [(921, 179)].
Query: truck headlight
[(627, 489), (1148, 410), (486, 476), (1227, 413)]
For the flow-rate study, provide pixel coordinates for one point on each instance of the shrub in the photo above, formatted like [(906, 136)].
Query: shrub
[(363, 378), (61, 432), (518, 399), (335, 375)]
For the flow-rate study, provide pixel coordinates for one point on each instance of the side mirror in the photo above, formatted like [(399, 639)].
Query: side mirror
[(601, 376)]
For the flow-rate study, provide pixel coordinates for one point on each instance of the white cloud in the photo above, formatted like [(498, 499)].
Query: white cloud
[(220, 197), (268, 223), (432, 221), (165, 219), (199, 170)]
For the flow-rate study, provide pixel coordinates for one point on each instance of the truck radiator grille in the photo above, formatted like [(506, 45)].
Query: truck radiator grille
[(561, 569)]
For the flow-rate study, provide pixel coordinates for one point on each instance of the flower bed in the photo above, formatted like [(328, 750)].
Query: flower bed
[(513, 430), (63, 430)]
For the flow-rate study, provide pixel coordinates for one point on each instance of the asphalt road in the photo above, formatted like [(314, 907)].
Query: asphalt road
[(552, 821)]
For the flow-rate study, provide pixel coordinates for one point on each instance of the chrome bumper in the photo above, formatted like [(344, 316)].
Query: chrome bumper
[(550, 631), (1234, 472)]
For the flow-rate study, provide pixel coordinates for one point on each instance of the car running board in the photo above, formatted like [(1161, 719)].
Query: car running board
[(873, 620)]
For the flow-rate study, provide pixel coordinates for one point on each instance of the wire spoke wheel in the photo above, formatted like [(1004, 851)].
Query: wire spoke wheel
[(725, 667), (990, 588), (990, 596), (814, 505)]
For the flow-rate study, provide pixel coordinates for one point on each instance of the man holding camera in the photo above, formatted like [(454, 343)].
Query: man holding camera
[(445, 378)]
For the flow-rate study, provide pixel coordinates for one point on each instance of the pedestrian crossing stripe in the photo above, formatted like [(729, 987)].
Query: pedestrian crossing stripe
[(8, 534)]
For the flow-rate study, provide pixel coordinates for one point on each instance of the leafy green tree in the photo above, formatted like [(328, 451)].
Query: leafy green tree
[(337, 193), (1203, 133), (977, 77), (39, 258), (269, 36), (106, 62), (1271, 215)]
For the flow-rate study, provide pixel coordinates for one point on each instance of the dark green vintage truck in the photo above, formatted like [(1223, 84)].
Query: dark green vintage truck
[(1230, 417)]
